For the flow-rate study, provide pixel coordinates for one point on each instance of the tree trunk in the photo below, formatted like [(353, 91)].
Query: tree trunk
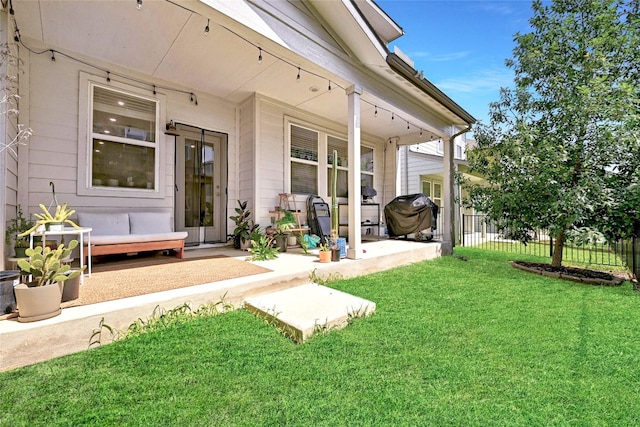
[(558, 245)]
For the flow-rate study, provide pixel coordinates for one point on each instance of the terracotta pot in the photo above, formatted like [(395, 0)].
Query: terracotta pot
[(39, 302), (324, 256)]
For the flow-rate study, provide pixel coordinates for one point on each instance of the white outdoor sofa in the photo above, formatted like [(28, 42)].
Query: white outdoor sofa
[(129, 232)]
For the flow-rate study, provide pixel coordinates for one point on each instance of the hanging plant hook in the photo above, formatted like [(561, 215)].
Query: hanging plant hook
[(53, 191)]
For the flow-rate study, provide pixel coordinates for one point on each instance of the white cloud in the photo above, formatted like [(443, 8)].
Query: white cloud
[(443, 57), (481, 81)]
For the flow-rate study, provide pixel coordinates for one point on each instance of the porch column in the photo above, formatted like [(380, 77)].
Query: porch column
[(448, 198), (355, 217)]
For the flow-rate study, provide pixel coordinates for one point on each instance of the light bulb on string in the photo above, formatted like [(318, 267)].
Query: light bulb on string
[(259, 55), (393, 117), (375, 111), (53, 56), (408, 126), (329, 85), (206, 29), (420, 131), (298, 76)]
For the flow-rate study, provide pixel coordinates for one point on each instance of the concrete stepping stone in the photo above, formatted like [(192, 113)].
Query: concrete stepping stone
[(302, 311)]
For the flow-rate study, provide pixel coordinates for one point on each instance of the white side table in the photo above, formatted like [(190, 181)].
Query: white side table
[(80, 232)]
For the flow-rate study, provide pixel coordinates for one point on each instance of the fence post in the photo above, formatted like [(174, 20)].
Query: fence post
[(550, 246), (463, 235)]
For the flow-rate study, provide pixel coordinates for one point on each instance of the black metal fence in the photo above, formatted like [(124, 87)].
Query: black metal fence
[(478, 232), (632, 250)]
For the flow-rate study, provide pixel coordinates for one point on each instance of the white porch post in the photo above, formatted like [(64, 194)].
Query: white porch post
[(448, 198), (353, 127)]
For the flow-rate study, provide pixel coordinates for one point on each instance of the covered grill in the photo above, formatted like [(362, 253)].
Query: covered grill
[(411, 214)]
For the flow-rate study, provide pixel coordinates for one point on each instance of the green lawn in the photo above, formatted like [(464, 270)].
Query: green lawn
[(452, 343)]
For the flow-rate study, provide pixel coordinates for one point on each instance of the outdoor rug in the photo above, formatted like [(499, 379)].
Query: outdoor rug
[(114, 283)]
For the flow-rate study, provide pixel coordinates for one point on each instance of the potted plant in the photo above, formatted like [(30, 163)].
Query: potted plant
[(54, 222), (16, 227), (244, 226), (40, 297), (283, 226), (324, 255)]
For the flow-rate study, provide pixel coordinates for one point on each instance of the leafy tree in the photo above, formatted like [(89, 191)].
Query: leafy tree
[(561, 150)]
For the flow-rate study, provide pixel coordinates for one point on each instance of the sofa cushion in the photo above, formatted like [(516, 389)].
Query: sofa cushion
[(105, 223), (137, 238), (150, 222)]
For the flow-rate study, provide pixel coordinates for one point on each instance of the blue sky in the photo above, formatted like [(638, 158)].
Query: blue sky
[(461, 45)]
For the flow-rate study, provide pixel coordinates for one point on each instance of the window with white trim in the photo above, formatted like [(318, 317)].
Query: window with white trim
[(433, 190), (304, 160), (366, 166), (123, 139), (312, 150), (340, 145)]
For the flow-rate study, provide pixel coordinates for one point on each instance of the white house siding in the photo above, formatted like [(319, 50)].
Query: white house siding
[(54, 116), (244, 178), (273, 160)]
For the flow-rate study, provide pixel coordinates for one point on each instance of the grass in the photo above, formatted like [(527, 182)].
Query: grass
[(452, 343)]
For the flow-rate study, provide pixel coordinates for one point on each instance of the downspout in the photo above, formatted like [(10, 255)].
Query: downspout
[(450, 203)]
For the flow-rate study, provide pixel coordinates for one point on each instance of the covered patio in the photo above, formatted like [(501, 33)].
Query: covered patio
[(246, 74)]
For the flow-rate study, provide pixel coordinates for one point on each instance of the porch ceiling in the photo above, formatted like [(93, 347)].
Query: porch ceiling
[(167, 42)]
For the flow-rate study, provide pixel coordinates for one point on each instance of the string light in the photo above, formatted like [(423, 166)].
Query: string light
[(192, 95)]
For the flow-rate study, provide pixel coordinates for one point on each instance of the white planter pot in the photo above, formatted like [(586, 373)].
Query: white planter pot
[(38, 303), (56, 226)]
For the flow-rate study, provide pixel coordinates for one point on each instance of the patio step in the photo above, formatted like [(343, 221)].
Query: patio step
[(302, 311)]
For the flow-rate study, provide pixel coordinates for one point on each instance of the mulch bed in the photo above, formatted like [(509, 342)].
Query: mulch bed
[(581, 275)]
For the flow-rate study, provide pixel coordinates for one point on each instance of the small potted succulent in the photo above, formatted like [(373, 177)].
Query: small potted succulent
[(54, 222), (16, 227), (324, 254), (40, 297)]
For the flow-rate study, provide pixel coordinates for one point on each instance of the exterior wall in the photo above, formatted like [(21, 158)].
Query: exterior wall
[(56, 118), (8, 129), (273, 158), (244, 179)]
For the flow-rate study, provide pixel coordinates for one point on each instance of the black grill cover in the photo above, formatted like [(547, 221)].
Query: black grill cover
[(410, 214)]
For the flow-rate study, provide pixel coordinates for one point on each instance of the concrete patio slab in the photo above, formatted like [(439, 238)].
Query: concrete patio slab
[(302, 311)]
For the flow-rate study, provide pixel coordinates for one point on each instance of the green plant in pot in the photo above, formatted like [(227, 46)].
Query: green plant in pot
[(244, 225), (61, 217), (16, 227), (40, 297), (324, 254), (283, 226)]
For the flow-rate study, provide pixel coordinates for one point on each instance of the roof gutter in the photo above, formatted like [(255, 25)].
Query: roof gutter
[(409, 73)]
